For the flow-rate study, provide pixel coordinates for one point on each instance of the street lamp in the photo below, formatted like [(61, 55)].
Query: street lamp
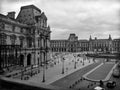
[(31, 69), (62, 64), (22, 73), (75, 62), (44, 69), (42, 48), (47, 50), (23, 68), (1, 69)]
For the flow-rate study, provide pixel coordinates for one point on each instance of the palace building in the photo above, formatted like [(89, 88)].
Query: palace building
[(24, 40), (72, 44)]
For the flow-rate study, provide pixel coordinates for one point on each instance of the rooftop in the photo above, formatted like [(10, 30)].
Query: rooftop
[(30, 6), (12, 21)]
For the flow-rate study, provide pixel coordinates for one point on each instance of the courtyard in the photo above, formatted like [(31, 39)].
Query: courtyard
[(80, 72)]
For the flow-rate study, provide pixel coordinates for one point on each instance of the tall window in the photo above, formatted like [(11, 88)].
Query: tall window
[(13, 38), (21, 40), (3, 38), (1, 25), (21, 43), (29, 42)]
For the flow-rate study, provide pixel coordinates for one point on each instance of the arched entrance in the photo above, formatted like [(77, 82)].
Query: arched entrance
[(29, 59), (21, 59)]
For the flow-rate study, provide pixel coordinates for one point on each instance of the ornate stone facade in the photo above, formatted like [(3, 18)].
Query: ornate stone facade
[(94, 45), (30, 31)]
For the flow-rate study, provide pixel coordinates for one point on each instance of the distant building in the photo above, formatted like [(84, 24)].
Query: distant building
[(27, 36), (72, 44), (100, 45), (116, 45)]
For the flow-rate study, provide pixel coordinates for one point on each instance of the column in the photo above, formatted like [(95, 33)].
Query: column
[(25, 59), (42, 42)]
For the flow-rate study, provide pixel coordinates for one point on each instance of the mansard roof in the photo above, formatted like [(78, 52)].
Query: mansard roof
[(30, 6), (83, 40), (72, 34), (118, 39), (59, 40), (100, 39), (11, 21)]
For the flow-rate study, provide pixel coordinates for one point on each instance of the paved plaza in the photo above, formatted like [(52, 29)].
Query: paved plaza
[(72, 78), (99, 71), (86, 76), (55, 72)]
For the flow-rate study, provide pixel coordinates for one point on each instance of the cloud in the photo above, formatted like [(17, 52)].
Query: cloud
[(83, 17)]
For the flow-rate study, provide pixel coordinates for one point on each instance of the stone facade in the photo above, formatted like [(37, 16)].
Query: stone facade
[(30, 31), (116, 45), (72, 44)]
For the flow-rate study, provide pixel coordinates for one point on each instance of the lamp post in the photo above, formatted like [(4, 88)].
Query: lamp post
[(47, 50), (23, 69), (75, 62), (44, 69), (43, 55), (21, 74), (31, 69), (1, 70), (62, 64)]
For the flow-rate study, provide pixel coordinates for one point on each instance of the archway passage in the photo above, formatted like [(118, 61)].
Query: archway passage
[(21, 59), (29, 59)]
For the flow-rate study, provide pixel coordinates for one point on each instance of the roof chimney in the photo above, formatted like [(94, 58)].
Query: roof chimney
[(90, 38), (110, 37), (11, 15), (95, 38)]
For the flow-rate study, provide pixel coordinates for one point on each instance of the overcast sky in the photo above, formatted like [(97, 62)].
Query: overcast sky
[(97, 18)]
